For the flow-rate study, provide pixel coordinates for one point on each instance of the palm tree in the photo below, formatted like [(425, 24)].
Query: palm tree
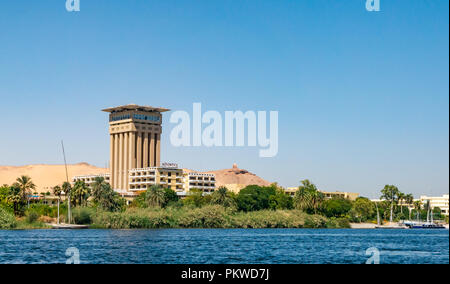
[(67, 188), (390, 193), (57, 192), (317, 199), (26, 185), (80, 193), (417, 207), (308, 197), (155, 196), (15, 197), (401, 197), (409, 199), (104, 196), (221, 196), (98, 187)]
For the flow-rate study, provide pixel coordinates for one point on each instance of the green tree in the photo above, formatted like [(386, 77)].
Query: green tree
[(15, 197), (155, 196), (336, 207), (254, 197), (280, 200), (26, 185), (400, 198), (409, 199), (57, 191), (98, 188), (308, 198), (80, 193), (105, 197), (4, 197), (195, 198), (390, 194), (364, 209), (223, 197), (170, 196), (67, 189)]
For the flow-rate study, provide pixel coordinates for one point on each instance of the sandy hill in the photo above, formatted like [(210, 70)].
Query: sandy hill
[(46, 176), (237, 176)]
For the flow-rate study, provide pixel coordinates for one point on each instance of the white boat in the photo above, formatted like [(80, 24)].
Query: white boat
[(429, 224)]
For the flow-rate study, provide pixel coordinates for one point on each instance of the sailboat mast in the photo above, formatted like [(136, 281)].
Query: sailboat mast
[(69, 213), (378, 215)]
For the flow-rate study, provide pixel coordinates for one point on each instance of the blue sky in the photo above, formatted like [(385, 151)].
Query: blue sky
[(362, 96)]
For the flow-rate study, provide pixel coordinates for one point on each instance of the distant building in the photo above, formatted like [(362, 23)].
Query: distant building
[(168, 176), (291, 190), (135, 141), (328, 194), (89, 179), (204, 181), (348, 195), (437, 201), (235, 187)]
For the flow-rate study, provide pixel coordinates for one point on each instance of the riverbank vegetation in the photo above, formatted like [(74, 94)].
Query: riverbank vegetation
[(254, 206)]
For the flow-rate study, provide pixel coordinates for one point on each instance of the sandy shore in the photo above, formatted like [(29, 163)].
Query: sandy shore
[(362, 225)]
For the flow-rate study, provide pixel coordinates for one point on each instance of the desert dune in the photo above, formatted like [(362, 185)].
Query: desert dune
[(47, 176)]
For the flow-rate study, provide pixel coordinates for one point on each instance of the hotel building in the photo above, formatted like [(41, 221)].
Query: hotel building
[(170, 177), (328, 194), (437, 201), (203, 181), (135, 155), (135, 141), (167, 176), (89, 179)]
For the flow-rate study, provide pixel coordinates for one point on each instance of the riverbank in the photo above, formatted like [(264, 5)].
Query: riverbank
[(363, 225), (210, 216)]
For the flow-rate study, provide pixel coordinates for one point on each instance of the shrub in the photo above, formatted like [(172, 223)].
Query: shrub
[(7, 220), (32, 216), (335, 223), (210, 216), (47, 219), (315, 221), (83, 215), (135, 218), (43, 209), (269, 219)]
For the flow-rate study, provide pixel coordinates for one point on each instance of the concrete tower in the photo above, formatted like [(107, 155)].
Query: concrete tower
[(135, 141)]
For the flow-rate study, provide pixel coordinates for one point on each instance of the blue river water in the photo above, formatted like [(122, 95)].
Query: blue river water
[(246, 246)]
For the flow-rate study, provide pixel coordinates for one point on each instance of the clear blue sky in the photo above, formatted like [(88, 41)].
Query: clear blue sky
[(363, 98)]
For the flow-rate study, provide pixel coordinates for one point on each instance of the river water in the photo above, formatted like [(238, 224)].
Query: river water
[(225, 246)]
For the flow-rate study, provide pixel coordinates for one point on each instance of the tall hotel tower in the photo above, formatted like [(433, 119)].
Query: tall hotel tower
[(135, 141)]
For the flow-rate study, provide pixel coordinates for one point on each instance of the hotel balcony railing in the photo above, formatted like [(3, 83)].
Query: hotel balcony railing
[(149, 175), (142, 182)]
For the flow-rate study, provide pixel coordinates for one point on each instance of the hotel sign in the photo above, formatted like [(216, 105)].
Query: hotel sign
[(169, 165)]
